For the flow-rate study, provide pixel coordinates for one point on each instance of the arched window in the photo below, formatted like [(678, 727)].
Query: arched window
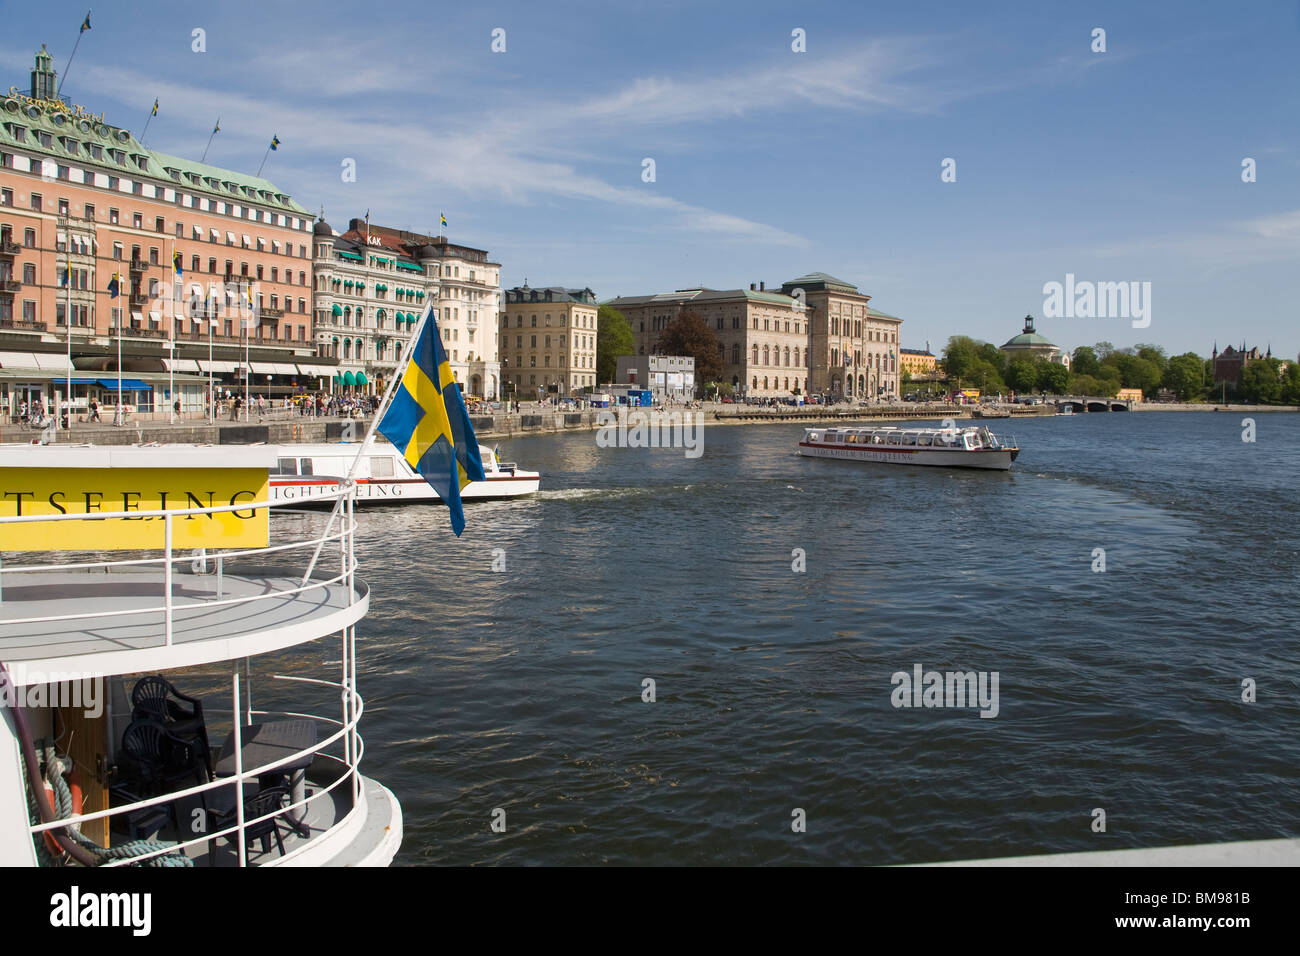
[(787, 383), (787, 360), (735, 353), (796, 356), (347, 349), (767, 359), (754, 361), (755, 383), (765, 383)]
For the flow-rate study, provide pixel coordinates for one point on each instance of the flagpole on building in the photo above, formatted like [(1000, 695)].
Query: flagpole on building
[(84, 27), (117, 417), (67, 309), (215, 128), (148, 120), (248, 369), (366, 443), (210, 316), (171, 342)]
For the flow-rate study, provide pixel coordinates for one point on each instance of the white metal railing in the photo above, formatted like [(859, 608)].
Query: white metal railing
[(343, 535), (346, 734)]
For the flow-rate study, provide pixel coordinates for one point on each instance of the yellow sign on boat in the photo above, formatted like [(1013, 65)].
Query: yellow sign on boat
[(90, 491)]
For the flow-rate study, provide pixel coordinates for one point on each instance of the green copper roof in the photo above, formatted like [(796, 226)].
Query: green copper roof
[(69, 134), (872, 313), (1029, 338), (815, 279)]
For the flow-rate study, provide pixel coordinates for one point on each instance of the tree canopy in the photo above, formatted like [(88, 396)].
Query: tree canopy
[(613, 338), (689, 334)]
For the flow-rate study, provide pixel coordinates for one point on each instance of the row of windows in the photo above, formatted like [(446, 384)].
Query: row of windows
[(873, 335), (88, 177), (579, 382), (579, 341), (580, 321), (579, 361)]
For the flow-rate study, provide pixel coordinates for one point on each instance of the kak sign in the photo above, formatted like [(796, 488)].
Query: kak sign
[(91, 491)]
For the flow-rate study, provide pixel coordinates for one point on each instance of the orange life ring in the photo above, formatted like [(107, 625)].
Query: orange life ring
[(75, 787)]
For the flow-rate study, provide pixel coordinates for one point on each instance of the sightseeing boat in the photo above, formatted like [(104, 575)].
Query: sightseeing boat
[(972, 447), (383, 475), (153, 708)]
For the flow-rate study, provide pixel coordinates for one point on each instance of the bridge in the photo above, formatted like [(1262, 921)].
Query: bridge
[(1090, 403)]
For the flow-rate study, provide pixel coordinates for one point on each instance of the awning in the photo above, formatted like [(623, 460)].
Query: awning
[(350, 255), (198, 232), (216, 366), (283, 368), (155, 317), (137, 317), (230, 238), (337, 310), (361, 379), (349, 378), (18, 360), (52, 361), (247, 241), (189, 366), (216, 236), (316, 371), (262, 368), (128, 385)]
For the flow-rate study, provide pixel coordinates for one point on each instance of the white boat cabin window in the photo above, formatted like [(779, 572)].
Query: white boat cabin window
[(381, 467), (894, 438), (815, 436), (909, 439), (831, 436), (305, 464), (286, 466), (925, 440)]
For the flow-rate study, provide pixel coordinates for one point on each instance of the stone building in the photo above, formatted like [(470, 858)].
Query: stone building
[(548, 340), (1029, 345)]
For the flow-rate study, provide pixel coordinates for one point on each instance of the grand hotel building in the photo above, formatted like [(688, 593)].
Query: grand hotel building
[(817, 335), (81, 194)]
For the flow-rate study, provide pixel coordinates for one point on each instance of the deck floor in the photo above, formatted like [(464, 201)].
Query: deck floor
[(40, 594)]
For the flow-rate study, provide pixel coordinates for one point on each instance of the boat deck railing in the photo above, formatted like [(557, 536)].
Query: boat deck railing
[(343, 748), (338, 535)]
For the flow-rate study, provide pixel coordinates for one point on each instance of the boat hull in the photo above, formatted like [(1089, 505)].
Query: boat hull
[(987, 459), (375, 491)]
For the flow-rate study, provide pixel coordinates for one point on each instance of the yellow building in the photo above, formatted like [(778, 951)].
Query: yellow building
[(1130, 395), (917, 361), (548, 341)]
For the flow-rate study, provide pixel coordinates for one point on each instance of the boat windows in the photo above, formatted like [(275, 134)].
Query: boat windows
[(924, 440), (909, 439), (286, 466), (381, 467), (306, 466), (894, 439)]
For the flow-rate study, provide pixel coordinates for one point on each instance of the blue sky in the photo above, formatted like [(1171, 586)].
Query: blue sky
[(1115, 166)]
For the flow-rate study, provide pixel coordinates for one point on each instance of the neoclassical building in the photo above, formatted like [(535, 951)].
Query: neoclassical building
[(82, 196), (1029, 345), (817, 335), (548, 340), (372, 285)]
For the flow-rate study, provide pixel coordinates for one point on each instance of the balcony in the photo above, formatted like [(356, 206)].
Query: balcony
[(10, 285), (8, 248), (132, 331), (26, 325), (271, 314), (139, 265)]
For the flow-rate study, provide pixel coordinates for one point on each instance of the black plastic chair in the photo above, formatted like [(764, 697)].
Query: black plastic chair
[(159, 759), (152, 699), (266, 800)]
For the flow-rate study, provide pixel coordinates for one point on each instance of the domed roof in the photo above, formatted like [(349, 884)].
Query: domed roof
[(322, 228), (1029, 338), (427, 252)]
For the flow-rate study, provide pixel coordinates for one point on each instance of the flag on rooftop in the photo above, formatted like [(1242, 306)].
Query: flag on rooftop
[(85, 24), (427, 423), (275, 142), (444, 220), (155, 107)]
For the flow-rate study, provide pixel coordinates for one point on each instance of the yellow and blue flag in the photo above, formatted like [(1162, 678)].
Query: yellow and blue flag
[(176, 263), (444, 220), (427, 423), (113, 286), (85, 25), (155, 108), (275, 142)]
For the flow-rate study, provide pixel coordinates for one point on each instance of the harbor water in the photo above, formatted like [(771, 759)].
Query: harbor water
[(771, 599)]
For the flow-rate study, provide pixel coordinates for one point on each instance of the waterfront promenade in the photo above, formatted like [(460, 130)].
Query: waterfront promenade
[(283, 428)]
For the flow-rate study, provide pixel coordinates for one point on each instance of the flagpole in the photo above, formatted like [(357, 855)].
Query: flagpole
[(204, 158), (171, 341), (248, 369), (365, 445), (118, 418), (67, 258), (212, 398), (265, 156), (74, 53), (148, 120)]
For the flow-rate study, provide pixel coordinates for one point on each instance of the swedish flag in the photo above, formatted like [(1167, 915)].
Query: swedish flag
[(444, 220), (85, 25), (427, 422), (275, 142), (176, 263), (114, 286), (155, 108)]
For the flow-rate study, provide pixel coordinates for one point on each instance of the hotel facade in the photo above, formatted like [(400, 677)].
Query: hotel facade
[(817, 335), (80, 195), (548, 340), (372, 285)]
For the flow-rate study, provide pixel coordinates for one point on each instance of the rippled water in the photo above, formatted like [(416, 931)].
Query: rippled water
[(1121, 690)]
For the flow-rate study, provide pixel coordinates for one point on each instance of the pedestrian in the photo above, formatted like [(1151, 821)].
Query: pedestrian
[(94, 411)]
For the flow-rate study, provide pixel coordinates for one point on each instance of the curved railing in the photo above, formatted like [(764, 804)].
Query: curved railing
[(340, 532), (346, 733)]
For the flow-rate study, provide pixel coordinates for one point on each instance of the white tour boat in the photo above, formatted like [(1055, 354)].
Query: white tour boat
[(972, 447), (383, 475), (147, 603)]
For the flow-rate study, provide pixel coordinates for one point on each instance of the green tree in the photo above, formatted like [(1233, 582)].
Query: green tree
[(1085, 362), (1261, 381), (689, 334), (1185, 376), (1291, 384), (1154, 354), (959, 356), (1103, 350), (1052, 378), (1085, 385), (613, 338), (1022, 376), (1108, 381)]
